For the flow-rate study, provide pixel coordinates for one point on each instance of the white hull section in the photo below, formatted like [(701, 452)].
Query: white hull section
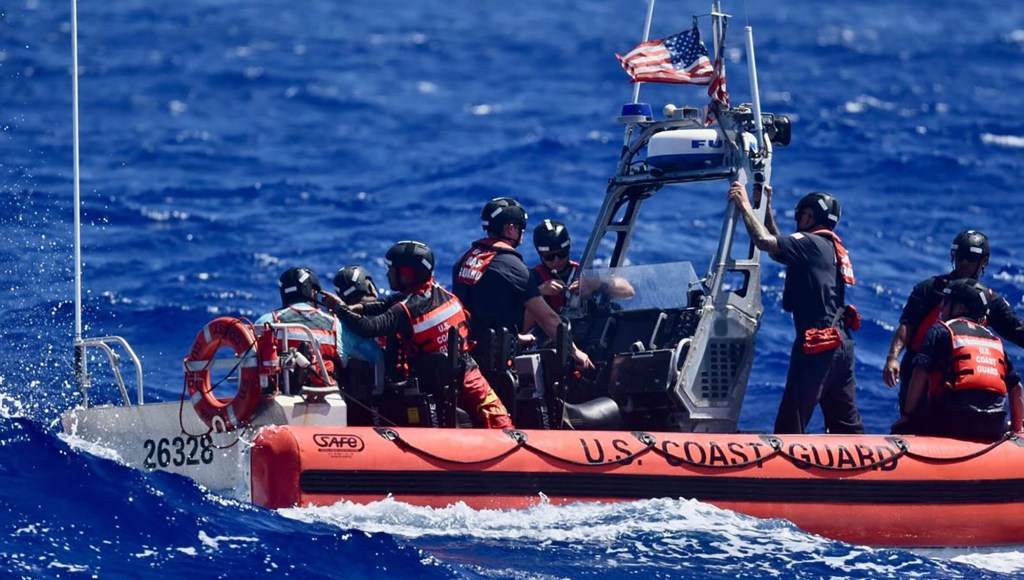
[(171, 437)]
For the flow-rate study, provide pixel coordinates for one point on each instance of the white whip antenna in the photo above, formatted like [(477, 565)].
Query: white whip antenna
[(80, 370), (755, 93), (647, 36), (628, 134)]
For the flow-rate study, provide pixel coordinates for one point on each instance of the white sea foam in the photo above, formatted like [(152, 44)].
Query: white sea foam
[(645, 532), (90, 447), (214, 542), (1009, 141), (1006, 562), (10, 408)]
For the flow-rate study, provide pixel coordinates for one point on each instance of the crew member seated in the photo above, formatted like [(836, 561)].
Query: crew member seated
[(355, 286), (421, 313), (363, 373), (964, 372), (553, 276), (299, 288)]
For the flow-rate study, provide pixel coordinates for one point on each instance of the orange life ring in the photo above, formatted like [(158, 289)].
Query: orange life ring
[(222, 414)]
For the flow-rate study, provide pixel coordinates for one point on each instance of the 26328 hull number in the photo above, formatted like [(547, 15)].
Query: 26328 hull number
[(178, 452)]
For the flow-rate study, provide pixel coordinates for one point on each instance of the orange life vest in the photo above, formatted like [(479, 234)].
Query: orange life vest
[(432, 312), (474, 263), (557, 301), (842, 256), (977, 362)]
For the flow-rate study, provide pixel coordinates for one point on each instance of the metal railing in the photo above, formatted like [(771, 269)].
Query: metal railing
[(104, 343)]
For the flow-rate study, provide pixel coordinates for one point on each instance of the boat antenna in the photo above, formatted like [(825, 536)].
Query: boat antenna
[(81, 374), (647, 36), (636, 86), (755, 94)]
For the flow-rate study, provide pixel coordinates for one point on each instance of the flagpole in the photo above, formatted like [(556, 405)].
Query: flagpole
[(716, 26)]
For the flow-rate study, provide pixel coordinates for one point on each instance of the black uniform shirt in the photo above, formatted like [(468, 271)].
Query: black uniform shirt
[(927, 295), (813, 292), (498, 299)]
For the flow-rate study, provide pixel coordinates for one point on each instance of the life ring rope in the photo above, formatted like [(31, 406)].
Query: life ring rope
[(395, 437), (1009, 436), (525, 444), (521, 440)]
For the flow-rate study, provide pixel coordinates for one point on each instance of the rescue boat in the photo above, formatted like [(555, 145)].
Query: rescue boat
[(658, 418), (866, 489)]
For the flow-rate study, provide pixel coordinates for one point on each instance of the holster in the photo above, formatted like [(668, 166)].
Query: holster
[(851, 318)]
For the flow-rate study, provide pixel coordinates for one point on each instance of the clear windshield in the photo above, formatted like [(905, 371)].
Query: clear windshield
[(642, 287)]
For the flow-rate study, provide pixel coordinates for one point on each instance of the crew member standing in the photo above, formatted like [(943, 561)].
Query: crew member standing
[(818, 269), (421, 313), (969, 255), (961, 376)]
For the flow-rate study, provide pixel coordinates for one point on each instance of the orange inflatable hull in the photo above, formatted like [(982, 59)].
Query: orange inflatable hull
[(867, 489)]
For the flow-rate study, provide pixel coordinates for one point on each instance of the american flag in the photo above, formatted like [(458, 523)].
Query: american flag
[(680, 58), (716, 88)]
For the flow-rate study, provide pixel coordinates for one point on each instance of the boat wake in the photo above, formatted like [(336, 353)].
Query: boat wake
[(596, 539)]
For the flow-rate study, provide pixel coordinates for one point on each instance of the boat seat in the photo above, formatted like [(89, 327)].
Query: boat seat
[(601, 413), (435, 372), (358, 381)]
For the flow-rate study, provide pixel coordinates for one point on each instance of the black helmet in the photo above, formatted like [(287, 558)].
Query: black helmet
[(971, 293), (500, 211), (298, 285), (825, 207), (353, 283), (969, 244), (551, 236), (415, 255)]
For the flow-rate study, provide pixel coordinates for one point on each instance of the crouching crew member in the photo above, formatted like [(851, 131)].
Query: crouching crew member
[(818, 269), (962, 373), (969, 255), (299, 289), (421, 313)]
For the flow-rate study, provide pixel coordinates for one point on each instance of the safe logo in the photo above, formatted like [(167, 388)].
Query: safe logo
[(342, 442)]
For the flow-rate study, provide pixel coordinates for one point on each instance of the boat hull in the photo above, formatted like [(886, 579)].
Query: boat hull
[(170, 436), (873, 490)]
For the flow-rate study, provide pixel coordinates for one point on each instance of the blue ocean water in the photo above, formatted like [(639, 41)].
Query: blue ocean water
[(225, 140)]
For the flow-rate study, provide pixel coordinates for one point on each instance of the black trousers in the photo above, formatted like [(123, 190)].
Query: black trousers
[(906, 371), (825, 379), (974, 415)]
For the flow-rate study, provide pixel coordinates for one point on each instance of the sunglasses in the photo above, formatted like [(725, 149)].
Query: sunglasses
[(562, 254), (972, 258)]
